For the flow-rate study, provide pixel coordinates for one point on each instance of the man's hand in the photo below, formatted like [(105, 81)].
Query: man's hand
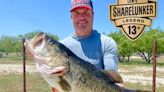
[(57, 71)]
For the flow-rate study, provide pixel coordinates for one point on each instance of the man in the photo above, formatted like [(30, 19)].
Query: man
[(90, 45)]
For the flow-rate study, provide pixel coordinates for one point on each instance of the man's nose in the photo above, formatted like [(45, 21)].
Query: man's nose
[(82, 15)]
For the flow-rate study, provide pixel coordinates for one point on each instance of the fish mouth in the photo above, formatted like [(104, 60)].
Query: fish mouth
[(29, 46), (35, 46), (38, 40)]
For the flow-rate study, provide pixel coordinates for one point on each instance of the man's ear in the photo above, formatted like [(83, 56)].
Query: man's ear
[(71, 17), (93, 13)]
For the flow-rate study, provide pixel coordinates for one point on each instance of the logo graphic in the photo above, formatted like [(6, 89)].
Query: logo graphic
[(132, 16), (77, 1)]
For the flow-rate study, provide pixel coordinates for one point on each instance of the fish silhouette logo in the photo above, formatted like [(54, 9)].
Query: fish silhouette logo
[(132, 16)]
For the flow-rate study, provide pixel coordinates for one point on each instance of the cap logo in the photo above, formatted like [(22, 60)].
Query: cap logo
[(79, 2)]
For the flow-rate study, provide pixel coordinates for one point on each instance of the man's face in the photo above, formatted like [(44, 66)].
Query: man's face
[(82, 19)]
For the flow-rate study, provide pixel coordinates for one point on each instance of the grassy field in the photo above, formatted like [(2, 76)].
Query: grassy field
[(13, 82), (144, 87), (35, 83), (13, 59)]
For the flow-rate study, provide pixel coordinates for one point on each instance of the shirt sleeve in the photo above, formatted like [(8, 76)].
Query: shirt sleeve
[(110, 53)]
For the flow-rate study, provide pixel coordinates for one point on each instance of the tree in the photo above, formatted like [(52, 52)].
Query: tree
[(146, 43), (143, 45), (125, 47), (32, 34), (14, 44)]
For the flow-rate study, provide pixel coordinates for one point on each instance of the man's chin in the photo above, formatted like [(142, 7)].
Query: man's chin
[(83, 28)]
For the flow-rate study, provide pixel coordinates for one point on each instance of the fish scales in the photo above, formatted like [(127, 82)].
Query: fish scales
[(86, 77)]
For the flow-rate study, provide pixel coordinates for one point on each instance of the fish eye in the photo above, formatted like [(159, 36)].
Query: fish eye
[(51, 41)]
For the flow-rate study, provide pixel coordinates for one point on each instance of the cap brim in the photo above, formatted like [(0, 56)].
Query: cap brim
[(81, 6)]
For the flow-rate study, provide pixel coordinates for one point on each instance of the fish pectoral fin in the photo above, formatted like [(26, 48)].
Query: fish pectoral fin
[(114, 75), (64, 85)]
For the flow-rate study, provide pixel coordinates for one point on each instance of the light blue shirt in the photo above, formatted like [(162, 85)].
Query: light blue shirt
[(96, 48)]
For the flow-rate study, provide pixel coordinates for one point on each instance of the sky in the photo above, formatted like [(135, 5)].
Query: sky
[(53, 16)]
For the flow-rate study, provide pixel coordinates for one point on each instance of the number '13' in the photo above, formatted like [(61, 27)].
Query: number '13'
[(132, 29)]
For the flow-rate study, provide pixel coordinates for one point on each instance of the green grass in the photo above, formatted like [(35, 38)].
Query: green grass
[(143, 87), (35, 83), (159, 63), (13, 59), (19, 60), (14, 83), (16, 60)]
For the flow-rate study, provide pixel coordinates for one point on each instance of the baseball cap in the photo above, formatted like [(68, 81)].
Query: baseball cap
[(81, 3)]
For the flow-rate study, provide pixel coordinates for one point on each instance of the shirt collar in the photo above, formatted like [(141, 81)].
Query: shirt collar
[(83, 37)]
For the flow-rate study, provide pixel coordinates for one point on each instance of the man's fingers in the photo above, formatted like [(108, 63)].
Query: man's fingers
[(58, 71), (120, 85)]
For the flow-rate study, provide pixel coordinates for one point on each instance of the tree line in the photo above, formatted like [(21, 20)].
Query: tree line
[(10, 44), (143, 45), (126, 47)]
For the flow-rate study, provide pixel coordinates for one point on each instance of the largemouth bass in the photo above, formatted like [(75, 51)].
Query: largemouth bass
[(80, 75)]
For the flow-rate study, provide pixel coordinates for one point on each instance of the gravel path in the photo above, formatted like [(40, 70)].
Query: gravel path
[(16, 68), (125, 73)]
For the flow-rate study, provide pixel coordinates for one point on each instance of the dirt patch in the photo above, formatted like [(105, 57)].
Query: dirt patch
[(142, 75), (16, 68)]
